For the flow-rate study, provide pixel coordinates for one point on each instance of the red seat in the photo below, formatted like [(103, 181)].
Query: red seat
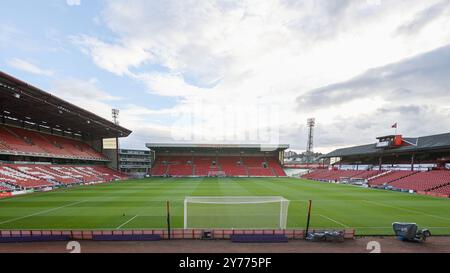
[(423, 181), (18, 140), (390, 177), (335, 175), (204, 165), (37, 175)]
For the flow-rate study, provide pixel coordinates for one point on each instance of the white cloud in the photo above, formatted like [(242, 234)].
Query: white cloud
[(73, 2), (250, 52), (85, 94), (115, 58), (29, 67)]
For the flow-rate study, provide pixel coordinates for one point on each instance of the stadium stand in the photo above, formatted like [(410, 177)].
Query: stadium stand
[(276, 167), (420, 164), (232, 166), (5, 187), (180, 166), (258, 166), (437, 181), (29, 142), (336, 175), (444, 190), (390, 176), (159, 168), (37, 175), (243, 160), (423, 181), (46, 142), (202, 166)]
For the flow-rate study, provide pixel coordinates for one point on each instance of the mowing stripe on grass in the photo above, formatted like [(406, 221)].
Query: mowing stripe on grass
[(129, 220), (337, 222), (41, 212), (409, 210)]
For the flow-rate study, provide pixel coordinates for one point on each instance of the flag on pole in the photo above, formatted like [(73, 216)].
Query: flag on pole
[(394, 125)]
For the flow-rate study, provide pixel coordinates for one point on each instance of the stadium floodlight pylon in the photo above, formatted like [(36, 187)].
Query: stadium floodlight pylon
[(236, 212)]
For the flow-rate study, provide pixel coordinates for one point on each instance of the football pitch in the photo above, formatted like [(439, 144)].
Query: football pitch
[(141, 204)]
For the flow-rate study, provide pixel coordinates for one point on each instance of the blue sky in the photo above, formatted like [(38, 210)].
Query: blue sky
[(239, 71), (41, 35)]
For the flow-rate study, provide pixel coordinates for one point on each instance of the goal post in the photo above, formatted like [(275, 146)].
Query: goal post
[(216, 174), (242, 212)]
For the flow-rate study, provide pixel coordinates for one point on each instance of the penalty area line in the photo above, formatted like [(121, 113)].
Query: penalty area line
[(337, 222), (126, 222), (408, 210), (40, 212)]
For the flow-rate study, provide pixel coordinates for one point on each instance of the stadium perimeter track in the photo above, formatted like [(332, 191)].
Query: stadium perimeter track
[(388, 244)]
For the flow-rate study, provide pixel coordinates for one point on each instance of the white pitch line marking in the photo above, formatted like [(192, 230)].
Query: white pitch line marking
[(409, 210), (129, 220), (41, 212), (337, 222)]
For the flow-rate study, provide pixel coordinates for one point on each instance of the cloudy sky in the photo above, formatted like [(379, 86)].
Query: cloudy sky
[(240, 71)]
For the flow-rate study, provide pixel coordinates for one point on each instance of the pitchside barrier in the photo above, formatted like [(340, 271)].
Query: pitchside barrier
[(220, 234)]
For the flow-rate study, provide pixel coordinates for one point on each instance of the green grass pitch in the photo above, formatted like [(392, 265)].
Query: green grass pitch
[(143, 202)]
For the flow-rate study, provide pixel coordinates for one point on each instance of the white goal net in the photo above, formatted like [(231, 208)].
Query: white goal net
[(242, 212)]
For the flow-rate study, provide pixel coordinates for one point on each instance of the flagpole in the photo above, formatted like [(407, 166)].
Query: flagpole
[(395, 126)]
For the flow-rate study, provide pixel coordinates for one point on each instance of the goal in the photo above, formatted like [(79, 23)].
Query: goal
[(216, 174), (243, 212)]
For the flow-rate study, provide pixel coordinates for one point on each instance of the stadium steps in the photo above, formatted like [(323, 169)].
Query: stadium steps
[(438, 187), (39, 178), (11, 184), (423, 181), (7, 186), (379, 175), (53, 145), (50, 171), (445, 190), (414, 173), (11, 132), (56, 144), (273, 172), (4, 146), (401, 176)]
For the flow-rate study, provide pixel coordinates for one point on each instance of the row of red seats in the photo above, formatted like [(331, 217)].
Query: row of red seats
[(436, 180), (316, 174), (442, 190), (423, 181), (30, 176), (389, 177), (368, 174), (259, 171), (107, 172), (3, 188), (335, 175), (15, 139), (275, 165), (203, 165), (159, 169), (230, 165)]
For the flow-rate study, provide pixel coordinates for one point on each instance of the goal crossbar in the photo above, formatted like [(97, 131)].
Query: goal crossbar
[(238, 200)]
